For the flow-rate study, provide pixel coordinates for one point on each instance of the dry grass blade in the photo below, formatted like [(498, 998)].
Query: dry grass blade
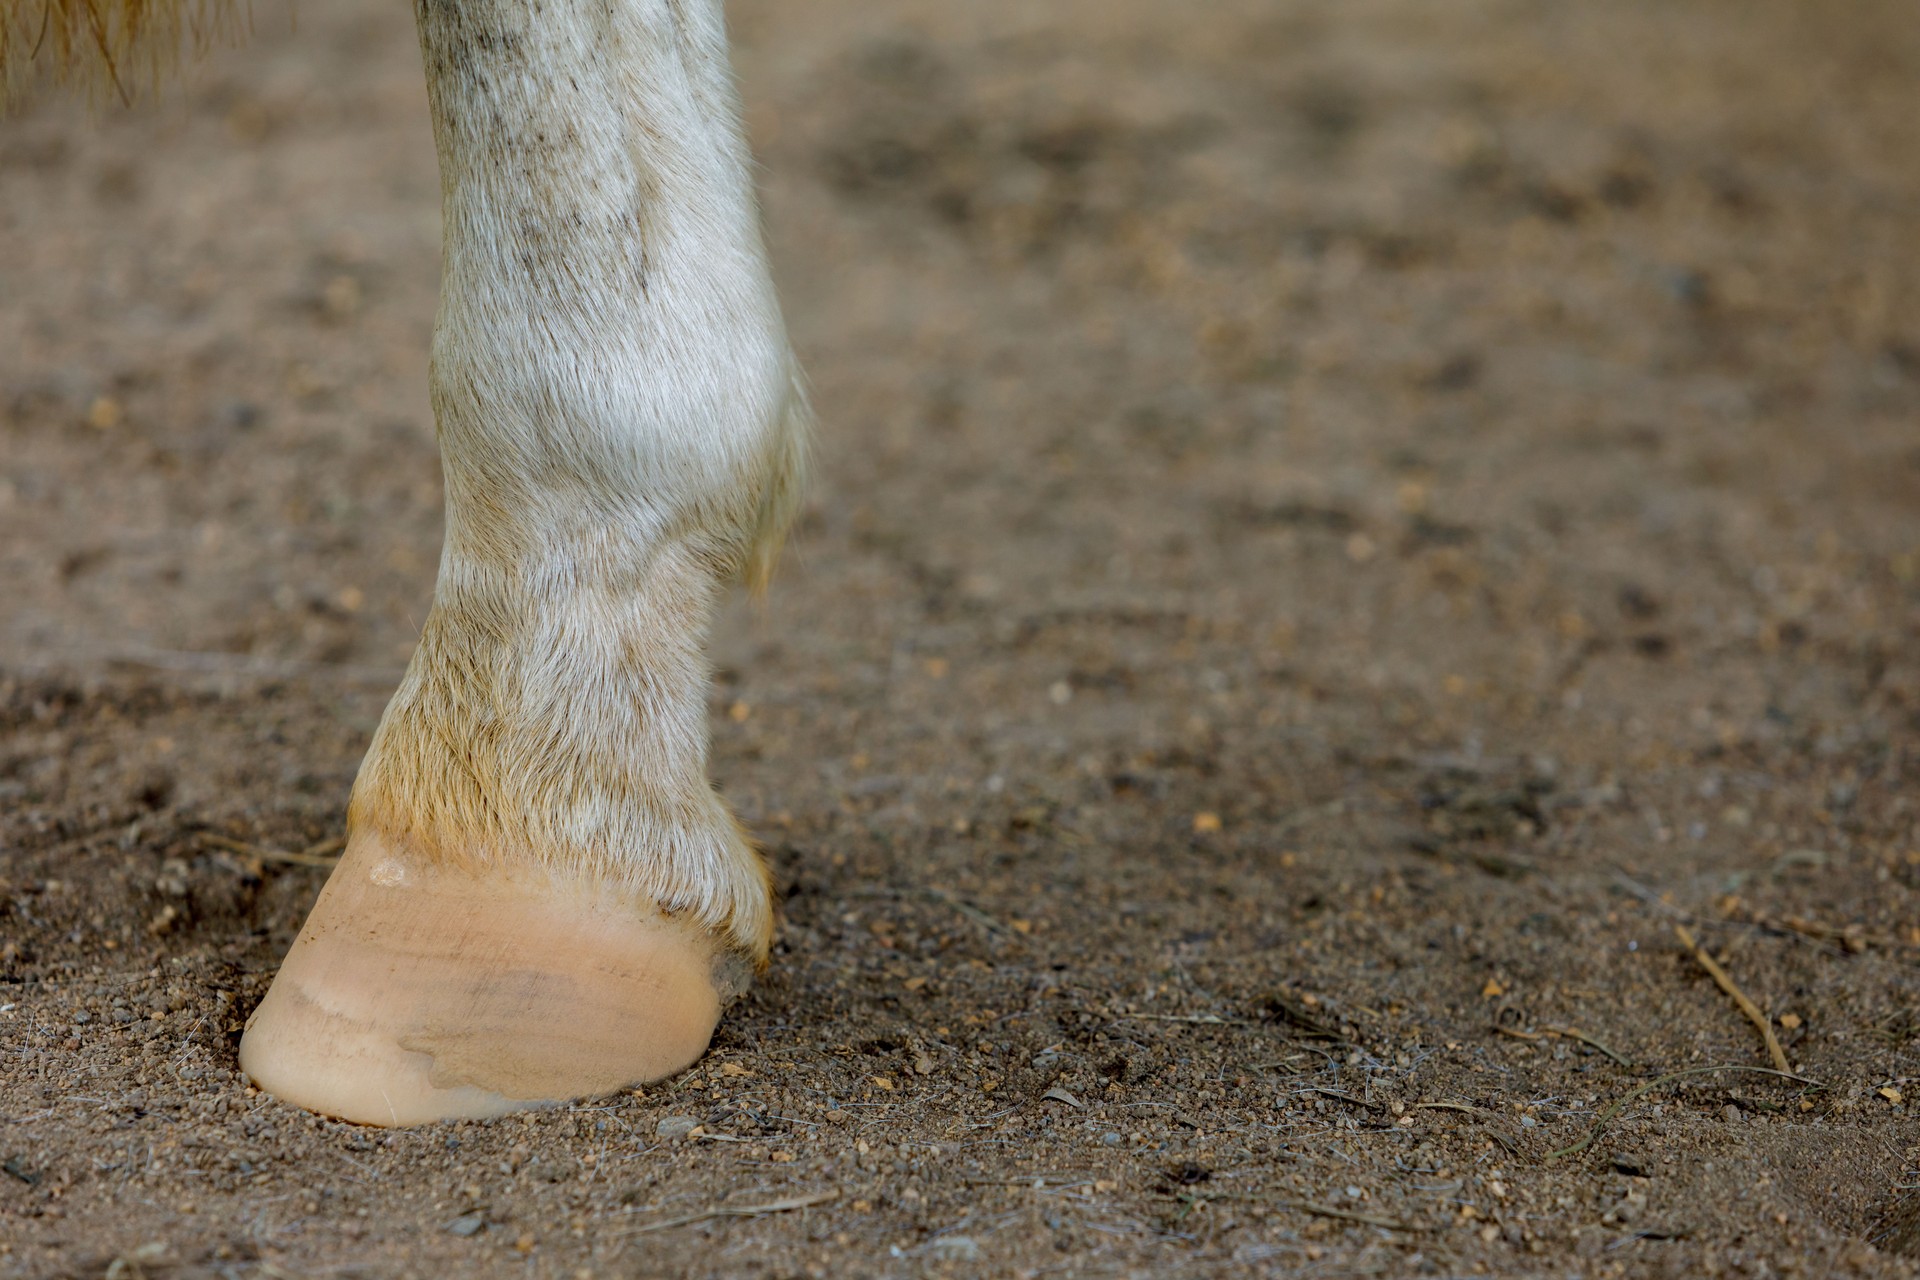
[(1607, 1116), (787, 1205), (1739, 998)]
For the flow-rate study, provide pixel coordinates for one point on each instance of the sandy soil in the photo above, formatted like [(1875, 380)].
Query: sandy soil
[(1338, 528)]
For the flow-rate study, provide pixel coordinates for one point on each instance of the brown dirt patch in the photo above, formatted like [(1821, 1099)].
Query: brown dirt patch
[(1338, 525)]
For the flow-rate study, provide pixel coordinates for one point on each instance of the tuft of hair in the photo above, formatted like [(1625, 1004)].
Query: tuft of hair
[(783, 485), (122, 46)]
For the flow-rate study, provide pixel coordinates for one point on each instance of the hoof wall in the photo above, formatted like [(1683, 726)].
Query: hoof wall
[(417, 992)]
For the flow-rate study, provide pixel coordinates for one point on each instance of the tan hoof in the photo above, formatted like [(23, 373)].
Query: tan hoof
[(419, 992)]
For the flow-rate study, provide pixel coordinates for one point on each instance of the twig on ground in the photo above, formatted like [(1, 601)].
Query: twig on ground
[(1574, 1034), (1852, 940), (1031, 1181), (1194, 1019), (324, 854), (968, 910), (1343, 1096), (739, 1211), (1349, 1215), (942, 897), (1739, 998), (1652, 899), (1614, 1110), (1567, 1033)]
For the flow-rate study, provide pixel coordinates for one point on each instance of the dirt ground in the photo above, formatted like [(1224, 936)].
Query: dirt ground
[(1338, 527)]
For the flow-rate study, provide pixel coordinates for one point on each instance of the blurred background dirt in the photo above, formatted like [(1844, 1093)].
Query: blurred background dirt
[(1338, 525)]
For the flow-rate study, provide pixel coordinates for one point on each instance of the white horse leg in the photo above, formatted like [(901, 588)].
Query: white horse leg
[(541, 896)]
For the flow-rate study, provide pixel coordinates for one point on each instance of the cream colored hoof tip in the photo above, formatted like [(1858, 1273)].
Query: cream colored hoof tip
[(417, 993)]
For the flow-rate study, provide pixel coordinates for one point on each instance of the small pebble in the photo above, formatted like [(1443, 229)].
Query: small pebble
[(956, 1248), (676, 1126)]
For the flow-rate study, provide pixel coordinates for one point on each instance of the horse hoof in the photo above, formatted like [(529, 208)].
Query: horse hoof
[(418, 991)]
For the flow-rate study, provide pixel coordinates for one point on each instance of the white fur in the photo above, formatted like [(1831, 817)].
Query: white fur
[(618, 411)]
